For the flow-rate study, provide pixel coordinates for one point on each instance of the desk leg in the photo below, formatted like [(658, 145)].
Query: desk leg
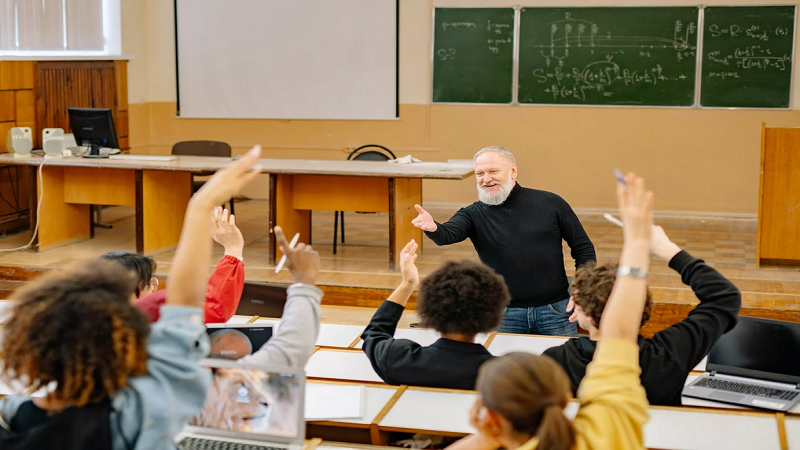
[(282, 212), (404, 193), (161, 200), (59, 222)]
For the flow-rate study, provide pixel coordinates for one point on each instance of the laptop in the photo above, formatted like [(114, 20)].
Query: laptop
[(261, 299), (754, 365), (236, 341), (248, 408)]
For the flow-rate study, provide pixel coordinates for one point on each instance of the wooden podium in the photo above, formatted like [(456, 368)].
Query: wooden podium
[(779, 197)]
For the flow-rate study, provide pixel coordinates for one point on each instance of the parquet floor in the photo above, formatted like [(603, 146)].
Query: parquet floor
[(727, 244)]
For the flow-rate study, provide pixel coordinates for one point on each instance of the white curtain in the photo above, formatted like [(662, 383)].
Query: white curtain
[(31, 25)]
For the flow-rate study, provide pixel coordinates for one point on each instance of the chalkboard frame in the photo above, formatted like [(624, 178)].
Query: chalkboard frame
[(791, 76), (514, 59), (698, 65)]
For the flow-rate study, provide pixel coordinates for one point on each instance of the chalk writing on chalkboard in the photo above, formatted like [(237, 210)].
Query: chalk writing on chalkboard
[(581, 61)]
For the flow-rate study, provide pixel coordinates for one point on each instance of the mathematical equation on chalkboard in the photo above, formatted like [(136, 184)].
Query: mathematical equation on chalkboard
[(582, 60), (758, 56), (498, 35)]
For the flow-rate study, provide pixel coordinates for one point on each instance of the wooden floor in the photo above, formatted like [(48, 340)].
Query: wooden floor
[(727, 244)]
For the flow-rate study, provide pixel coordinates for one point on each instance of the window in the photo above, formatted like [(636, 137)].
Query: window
[(59, 27)]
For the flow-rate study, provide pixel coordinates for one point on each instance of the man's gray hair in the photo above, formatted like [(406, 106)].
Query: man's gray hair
[(500, 150)]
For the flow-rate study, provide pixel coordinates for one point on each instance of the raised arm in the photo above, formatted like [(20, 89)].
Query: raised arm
[(187, 276), (224, 289), (623, 312)]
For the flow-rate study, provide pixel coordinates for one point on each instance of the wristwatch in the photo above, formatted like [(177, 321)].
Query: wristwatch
[(635, 272)]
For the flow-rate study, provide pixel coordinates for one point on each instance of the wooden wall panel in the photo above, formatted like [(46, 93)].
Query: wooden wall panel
[(779, 215), (4, 128), (16, 75), (7, 107), (25, 110)]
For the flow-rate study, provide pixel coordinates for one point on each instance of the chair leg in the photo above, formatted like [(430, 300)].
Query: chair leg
[(335, 229), (98, 209), (342, 212)]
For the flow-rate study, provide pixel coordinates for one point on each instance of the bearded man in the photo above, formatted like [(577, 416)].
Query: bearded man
[(518, 232)]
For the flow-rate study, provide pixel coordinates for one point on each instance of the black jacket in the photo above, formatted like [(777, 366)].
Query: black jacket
[(445, 364), (521, 240), (671, 354)]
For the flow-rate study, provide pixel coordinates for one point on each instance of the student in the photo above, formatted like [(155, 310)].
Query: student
[(668, 357), (224, 289), (521, 396), (113, 380), (459, 300)]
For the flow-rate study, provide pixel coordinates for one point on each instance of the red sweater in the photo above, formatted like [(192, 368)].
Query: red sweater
[(223, 293)]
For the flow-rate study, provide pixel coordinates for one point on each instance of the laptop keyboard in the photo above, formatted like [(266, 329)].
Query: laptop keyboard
[(210, 444), (749, 389)]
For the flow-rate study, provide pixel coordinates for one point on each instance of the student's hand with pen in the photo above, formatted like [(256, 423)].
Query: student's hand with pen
[(225, 232), (303, 262)]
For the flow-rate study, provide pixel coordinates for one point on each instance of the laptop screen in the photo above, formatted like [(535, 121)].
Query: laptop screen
[(237, 342), (255, 402), (759, 348)]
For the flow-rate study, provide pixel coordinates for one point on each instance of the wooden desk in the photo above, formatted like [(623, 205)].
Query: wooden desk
[(298, 186), (159, 190), (792, 426), (438, 411), (341, 365)]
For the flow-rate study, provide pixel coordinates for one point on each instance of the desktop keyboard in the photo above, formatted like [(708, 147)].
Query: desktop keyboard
[(744, 388), (210, 444), (129, 157)]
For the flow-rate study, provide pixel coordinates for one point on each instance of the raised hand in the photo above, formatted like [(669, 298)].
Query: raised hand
[(407, 267), (636, 208), (303, 262), (229, 181), (660, 244), (424, 221), (225, 232)]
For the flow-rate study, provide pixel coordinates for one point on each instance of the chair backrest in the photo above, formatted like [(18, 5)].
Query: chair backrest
[(371, 152), (202, 148)]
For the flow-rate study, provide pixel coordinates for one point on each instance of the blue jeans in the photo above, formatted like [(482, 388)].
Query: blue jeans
[(552, 319)]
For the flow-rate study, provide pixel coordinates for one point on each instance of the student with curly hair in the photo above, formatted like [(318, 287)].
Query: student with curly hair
[(224, 288), (459, 300), (668, 357), (112, 380), (521, 396)]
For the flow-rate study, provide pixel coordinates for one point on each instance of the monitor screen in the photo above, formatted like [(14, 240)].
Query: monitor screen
[(93, 127), (759, 348), (237, 342), (253, 401)]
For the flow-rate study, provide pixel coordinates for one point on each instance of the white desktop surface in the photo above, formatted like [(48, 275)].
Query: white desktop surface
[(337, 335), (375, 398), (339, 365), (701, 366), (507, 343), (238, 320), (793, 433), (431, 410), (690, 430), (689, 401), (424, 337)]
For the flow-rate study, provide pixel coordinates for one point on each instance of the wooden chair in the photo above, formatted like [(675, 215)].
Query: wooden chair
[(369, 152), (202, 148)]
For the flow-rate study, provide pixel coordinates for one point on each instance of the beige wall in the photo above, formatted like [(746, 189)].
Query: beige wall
[(696, 160)]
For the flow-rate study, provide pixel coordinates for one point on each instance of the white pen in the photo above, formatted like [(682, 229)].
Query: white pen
[(283, 258), (613, 219)]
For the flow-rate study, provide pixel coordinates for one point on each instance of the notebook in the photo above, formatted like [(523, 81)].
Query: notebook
[(248, 407), (754, 365), (234, 341)]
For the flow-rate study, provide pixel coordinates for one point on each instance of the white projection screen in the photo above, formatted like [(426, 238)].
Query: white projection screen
[(287, 59)]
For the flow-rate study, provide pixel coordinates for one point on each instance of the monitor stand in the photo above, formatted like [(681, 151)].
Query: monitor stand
[(95, 152)]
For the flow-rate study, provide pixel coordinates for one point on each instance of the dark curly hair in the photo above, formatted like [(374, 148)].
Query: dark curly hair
[(143, 266), (592, 286), (78, 329), (462, 297)]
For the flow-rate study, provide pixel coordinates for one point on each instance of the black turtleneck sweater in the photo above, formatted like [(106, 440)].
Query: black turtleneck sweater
[(521, 240), (671, 354)]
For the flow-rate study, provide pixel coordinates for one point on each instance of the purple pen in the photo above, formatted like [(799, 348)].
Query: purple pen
[(620, 177)]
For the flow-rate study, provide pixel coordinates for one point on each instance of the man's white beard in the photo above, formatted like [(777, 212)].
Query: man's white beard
[(496, 198)]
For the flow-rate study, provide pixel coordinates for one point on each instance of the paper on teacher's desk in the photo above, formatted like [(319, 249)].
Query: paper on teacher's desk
[(326, 401), (408, 159)]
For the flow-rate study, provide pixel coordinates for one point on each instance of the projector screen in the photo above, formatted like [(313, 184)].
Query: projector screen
[(287, 59)]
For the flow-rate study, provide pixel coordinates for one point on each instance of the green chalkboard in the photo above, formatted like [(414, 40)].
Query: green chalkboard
[(473, 55), (608, 56), (747, 56)]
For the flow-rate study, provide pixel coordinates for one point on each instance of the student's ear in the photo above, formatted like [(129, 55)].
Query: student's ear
[(493, 423)]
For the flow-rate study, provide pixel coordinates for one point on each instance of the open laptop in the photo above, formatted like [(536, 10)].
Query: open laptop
[(248, 408), (754, 365), (234, 341), (261, 299)]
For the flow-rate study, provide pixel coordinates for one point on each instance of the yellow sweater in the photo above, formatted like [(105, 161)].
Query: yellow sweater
[(613, 404)]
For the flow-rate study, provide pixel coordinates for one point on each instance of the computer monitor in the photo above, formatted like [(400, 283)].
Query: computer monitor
[(94, 127)]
